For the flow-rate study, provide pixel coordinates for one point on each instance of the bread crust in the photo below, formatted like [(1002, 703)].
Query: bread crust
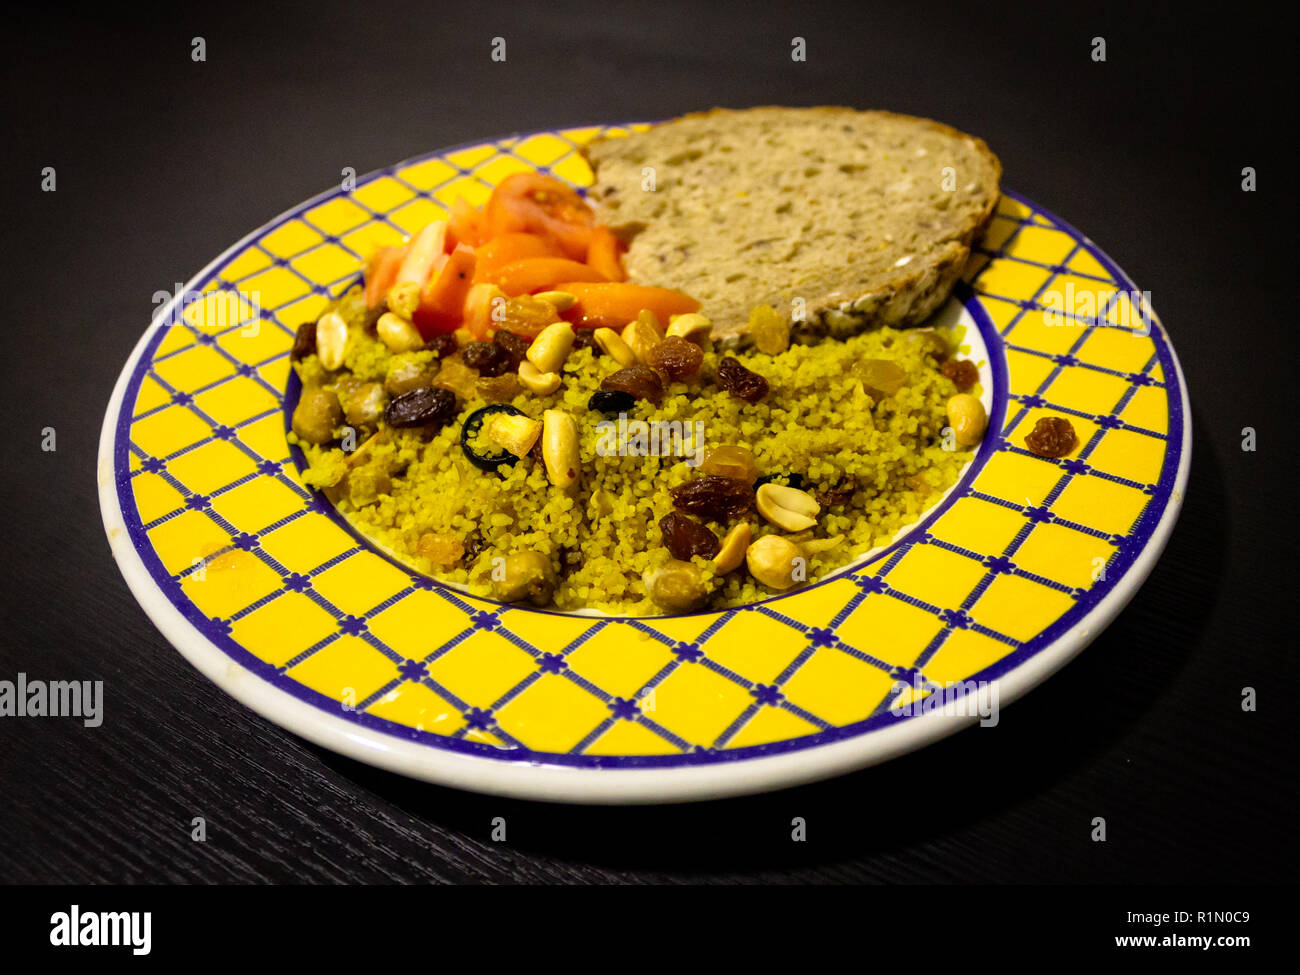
[(915, 293)]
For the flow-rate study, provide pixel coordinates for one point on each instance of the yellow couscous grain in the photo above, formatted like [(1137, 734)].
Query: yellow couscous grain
[(602, 534)]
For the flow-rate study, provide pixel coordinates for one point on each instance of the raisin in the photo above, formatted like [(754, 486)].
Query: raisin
[(498, 389), (610, 401), (881, 378), (714, 497), (769, 331), (685, 537), (839, 494), (421, 407), (962, 372), (730, 460), (740, 382), (640, 381), (473, 546), (304, 342), (676, 358), (516, 347), (488, 358), (443, 344), (585, 338), (1052, 436), (525, 315)]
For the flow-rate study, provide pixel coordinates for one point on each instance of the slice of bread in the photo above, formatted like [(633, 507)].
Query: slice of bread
[(839, 219)]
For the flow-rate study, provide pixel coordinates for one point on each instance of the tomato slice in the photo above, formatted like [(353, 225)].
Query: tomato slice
[(466, 225), (508, 248), (425, 248), (381, 273), (535, 203), (542, 274), (603, 254), (614, 304), (442, 301)]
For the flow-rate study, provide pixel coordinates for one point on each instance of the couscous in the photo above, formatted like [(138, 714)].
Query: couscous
[(573, 442)]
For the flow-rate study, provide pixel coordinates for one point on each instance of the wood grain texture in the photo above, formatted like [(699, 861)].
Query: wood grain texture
[(1145, 728)]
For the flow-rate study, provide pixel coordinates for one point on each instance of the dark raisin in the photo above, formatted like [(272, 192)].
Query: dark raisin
[(610, 401), (839, 494), (714, 497), (685, 537), (962, 372), (640, 381), (473, 546), (421, 407), (515, 346), (370, 320), (676, 358), (488, 358), (585, 338), (443, 344), (740, 382), (1052, 436), (304, 342)]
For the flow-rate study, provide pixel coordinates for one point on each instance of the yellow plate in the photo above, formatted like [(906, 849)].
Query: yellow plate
[(267, 591)]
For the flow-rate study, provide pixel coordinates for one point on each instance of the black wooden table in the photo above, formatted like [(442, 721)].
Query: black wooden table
[(162, 161)]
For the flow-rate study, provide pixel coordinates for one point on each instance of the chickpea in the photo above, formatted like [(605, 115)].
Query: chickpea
[(366, 484), (365, 404), (317, 415), (968, 419), (528, 577), (406, 373), (677, 586), (771, 561)]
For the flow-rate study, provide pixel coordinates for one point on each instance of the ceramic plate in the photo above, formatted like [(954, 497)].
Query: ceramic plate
[(267, 591)]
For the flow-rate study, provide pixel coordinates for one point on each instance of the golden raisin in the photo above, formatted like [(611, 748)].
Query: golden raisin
[(454, 374), (525, 316), (441, 548), (676, 358), (730, 460), (769, 331), (499, 389), (880, 377)]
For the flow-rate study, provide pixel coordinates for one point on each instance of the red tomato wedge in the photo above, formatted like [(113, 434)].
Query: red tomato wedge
[(614, 304), (539, 204), (381, 273), (425, 248), (508, 248), (542, 274), (477, 316), (466, 225), (442, 300), (603, 254)]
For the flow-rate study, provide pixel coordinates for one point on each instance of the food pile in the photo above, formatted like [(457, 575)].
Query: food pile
[(497, 406)]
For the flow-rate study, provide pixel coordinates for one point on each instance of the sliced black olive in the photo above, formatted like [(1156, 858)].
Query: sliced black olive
[(610, 401), (784, 477), (473, 424)]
